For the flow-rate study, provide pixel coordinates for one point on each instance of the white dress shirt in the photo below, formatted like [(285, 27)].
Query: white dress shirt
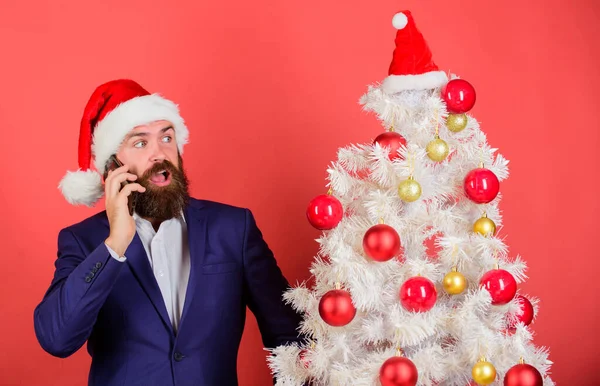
[(169, 256)]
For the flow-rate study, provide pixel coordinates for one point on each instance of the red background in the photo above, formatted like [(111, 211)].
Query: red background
[(270, 89)]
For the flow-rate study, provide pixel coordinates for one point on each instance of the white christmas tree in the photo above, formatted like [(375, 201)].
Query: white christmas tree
[(413, 285)]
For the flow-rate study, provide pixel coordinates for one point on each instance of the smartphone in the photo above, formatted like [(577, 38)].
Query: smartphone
[(112, 164)]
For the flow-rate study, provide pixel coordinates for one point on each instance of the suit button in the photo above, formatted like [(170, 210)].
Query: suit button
[(94, 270), (98, 265), (91, 274), (178, 356), (88, 279)]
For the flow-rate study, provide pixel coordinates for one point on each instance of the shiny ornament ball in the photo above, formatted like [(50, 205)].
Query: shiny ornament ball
[(501, 285), (418, 294), (437, 150), (393, 141), (481, 185), (381, 242), (526, 314), (324, 212), (409, 190), (336, 308), (456, 122), (398, 371), (483, 372), (484, 226), (454, 282), (459, 96), (523, 375)]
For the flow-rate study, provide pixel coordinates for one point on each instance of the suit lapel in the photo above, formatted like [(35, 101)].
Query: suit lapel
[(196, 226), (140, 266)]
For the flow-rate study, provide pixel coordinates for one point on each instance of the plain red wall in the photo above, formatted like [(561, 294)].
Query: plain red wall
[(270, 89)]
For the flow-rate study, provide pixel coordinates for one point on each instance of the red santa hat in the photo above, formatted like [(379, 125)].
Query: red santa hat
[(114, 109), (412, 67)]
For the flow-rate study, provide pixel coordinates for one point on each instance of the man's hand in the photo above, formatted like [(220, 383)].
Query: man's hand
[(122, 224)]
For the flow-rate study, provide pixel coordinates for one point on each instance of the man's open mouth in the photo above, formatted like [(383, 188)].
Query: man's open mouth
[(161, 178)]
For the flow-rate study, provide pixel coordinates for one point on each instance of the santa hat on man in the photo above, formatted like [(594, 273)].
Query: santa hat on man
[(113, 110), (412, 67)]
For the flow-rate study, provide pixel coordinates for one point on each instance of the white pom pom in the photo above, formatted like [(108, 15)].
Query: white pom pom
[(82, 187), (399, 20)]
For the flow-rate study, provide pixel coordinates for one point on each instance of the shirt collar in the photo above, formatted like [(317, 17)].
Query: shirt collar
[(138, 219)]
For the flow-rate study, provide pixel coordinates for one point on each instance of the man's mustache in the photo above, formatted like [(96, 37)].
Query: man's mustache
[(165, 165)]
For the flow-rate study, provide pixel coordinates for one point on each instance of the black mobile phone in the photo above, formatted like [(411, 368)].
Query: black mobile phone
[(112, 164)]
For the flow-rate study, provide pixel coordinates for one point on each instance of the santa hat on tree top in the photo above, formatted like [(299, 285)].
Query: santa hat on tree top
[(114, 109), (412, 67)]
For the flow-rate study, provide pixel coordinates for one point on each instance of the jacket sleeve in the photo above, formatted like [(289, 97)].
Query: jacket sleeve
[(264, 283), (64, 319)]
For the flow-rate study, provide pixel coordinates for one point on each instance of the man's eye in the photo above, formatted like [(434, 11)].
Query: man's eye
[(167, 138), (139, 144)]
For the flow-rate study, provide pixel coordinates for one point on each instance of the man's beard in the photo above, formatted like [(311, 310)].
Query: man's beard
[(161, 203)]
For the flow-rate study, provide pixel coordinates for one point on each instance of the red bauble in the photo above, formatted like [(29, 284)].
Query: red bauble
[(459, 96), (481, 185), (523, 375), (324, 212), (501, 285), (398, 371), (526, 316), (418, 294), (381, 242), (392, 140), (336, 308)]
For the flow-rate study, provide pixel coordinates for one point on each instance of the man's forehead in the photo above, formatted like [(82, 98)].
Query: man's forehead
[(156, 126)]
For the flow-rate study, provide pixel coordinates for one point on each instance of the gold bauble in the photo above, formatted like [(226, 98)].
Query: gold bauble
[(409, 190), (454, 282), (456, 122), (484, 226), (483, 372), (437, 150)]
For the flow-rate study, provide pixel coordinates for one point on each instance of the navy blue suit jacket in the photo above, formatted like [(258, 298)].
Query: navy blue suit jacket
[(118, 309)]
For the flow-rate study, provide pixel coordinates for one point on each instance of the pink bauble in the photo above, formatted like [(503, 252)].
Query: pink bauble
[(324, 212), (501, 285), (526, 314), (459, 96), (481, 185), (418, 294), (393, 141)]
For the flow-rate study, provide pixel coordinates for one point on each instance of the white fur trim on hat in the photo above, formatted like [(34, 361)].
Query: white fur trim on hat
[(429, 80), (110, 132), (82, 187)]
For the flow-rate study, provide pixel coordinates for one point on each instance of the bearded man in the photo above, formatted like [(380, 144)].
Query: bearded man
[(158, 294)]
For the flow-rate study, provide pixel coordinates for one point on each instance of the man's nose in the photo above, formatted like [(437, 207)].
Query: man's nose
[(158, 157), (158, 154)]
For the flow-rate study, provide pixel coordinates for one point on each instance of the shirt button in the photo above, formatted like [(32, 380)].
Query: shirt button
[(178, 356)]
